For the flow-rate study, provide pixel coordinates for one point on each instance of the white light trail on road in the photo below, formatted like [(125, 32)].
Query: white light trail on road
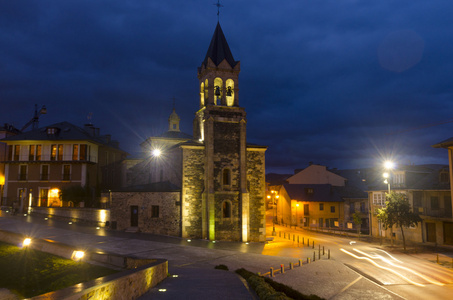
[(382, 267), (351, 242), (430, 280), (390, 255)]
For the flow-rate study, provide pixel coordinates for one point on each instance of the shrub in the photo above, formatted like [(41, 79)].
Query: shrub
[(221, 267)]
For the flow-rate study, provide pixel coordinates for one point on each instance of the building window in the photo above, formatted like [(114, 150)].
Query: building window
[(321, 222), (379, 198), (60, 152), (66, 172), (417, 198), (51, 130), (352, 207), (10, 153), (45, 172), (31, 152), (332, 209), (309, 191), (226, 177), (23, 172), (155, 211), (83, 152), (226, 209), (434, 202), (444, 177), (321, 206), (38, 152), (16, 152), (362, 207), (306, 211), (53, 152), (75, 152)]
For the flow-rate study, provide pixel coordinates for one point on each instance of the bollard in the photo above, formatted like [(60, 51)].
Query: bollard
[(291, 266), (314, 255), (298, 240), (313, 244), (284, 235), (308, 260), (323, 250), (289, 236), (280, 234), (282, 268), (294, 237), (328, 254), (300, 262), (303, 241), (437, 258), (319, 252), (272, 272)]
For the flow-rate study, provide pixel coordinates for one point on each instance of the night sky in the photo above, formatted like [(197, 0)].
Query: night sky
[(342, 83)]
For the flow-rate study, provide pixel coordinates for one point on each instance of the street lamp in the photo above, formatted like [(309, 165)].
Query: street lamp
[(274, 195), (297, 209), (388, 165)]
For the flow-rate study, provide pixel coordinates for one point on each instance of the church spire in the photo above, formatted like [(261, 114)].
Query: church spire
[(219, 50)]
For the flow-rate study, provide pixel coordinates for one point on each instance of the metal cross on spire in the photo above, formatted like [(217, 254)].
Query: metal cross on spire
[(218, 9)]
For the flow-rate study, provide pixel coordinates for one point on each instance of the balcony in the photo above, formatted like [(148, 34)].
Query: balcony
[(430, 212)]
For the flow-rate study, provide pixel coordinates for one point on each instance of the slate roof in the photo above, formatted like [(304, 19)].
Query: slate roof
[(218, 49), (176, 135), (321, 192), (65, 131)]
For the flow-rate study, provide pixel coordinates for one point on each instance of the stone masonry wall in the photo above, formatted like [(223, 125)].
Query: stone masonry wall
[(168, 222), (256, 187), (192, 192)]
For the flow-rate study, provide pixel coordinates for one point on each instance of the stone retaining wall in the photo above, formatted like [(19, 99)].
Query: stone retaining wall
[(93, 216), (142, 275)]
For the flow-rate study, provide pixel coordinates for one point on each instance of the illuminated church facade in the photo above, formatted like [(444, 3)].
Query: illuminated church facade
[(210, 185)]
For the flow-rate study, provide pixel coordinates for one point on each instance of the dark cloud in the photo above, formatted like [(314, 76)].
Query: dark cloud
[(340, 83)]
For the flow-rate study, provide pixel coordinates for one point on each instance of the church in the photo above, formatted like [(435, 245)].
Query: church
[(209, 185)]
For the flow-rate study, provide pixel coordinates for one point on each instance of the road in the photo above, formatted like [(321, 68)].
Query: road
[(409, 276)]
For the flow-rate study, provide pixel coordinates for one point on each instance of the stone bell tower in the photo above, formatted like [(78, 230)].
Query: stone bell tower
[(220, 124)]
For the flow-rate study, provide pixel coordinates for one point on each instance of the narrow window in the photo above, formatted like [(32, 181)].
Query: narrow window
[(38, 152), (321, 206), (306, 212), (434, 202), (226, 177), (53, 152), (23, 172), (83, 152), (31, 152), (155, 211), (10, 153), (66, 172), (16, 152), (45, 172), (332, 209), (75, 152), (226, 209), (60, 152)]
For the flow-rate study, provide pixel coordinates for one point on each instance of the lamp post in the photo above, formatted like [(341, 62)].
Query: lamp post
[(297, 209), (274, 195), (388, 165)]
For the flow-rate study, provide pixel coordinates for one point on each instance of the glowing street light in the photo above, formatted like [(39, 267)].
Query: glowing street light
[(26, 242), (274, 195), (156, 152)]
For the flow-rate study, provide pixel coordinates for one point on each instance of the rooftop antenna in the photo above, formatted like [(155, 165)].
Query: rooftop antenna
[(218, 9)]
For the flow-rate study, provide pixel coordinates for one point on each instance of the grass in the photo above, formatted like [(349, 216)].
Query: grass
[(29, 272)]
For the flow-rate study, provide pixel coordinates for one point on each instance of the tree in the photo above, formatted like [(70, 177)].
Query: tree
[(357, 221), (398, 212)]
